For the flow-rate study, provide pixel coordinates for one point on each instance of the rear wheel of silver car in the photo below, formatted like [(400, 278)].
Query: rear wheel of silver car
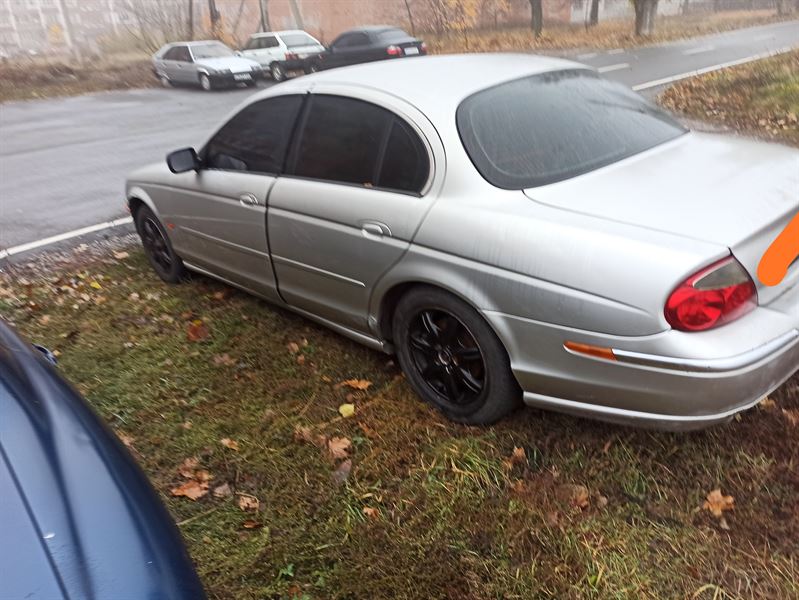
[(278, 72), (158, 248), (452, 358), (205, 83)]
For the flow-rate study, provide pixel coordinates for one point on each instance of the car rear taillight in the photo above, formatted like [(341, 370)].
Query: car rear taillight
[(423, 48), (394, 51), (716, 295), (291, 56)]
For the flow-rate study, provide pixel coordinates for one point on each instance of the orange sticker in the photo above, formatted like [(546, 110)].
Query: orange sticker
[(780, 254)]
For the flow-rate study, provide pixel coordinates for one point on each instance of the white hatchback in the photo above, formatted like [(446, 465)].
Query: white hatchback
[(282, 51)]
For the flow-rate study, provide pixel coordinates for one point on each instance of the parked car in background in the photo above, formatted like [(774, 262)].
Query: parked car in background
[(78, 516), (367, 44), (209, 64), (281, 52), (514, 227)]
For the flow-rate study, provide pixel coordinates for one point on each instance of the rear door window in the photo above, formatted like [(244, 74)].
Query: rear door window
[(256, 139), (345, 140), (296, 40)]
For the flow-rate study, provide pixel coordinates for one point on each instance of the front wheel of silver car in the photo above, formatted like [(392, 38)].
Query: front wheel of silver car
[(452, 358), (205, 83), (165, 82), (157, 247)]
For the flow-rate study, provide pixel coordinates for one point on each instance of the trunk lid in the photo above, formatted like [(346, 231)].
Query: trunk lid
[(731, 191)]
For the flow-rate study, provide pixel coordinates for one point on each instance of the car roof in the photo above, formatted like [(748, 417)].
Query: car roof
[(434, 84), (372, 28), (281, 32)]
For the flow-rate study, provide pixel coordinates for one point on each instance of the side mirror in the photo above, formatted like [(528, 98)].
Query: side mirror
[(183, 160)]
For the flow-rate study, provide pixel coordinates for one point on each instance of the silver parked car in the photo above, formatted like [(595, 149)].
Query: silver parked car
[(280, 52), (208, 64), (513, 227)]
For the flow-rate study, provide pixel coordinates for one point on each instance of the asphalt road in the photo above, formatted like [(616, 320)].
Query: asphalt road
[(63, 161)]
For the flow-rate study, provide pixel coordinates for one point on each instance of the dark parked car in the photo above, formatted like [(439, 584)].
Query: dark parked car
[(78, 517), (367, 44)]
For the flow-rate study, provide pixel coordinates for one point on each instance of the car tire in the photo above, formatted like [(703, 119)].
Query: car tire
[(206, 83), (277, 71), (157, 247), (312, 68), (452, 358), (165, 82)]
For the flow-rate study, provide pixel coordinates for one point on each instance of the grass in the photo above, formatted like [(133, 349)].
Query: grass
[(590, 510), (759, 98)]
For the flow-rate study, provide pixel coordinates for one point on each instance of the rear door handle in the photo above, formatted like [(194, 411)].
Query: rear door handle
[(375, 228), (248, 200)]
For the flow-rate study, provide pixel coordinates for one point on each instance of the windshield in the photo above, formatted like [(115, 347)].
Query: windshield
[(554, 126), (295, 40), (211, 51)]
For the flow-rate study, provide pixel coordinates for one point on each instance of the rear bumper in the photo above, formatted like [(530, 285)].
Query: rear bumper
[(643, 388)]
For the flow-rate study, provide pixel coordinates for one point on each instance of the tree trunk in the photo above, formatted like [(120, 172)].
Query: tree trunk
[(536, 17), (264, 6), (190, 18), (593, 17), (295, 11), (645, 12), (410, 17)]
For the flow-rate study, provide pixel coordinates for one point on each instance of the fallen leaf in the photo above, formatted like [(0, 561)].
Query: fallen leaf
[(121, 255), (518, 456), (224, 359), (792, 416), (197, 331), (342, 472), (126, 439), (250, 524), (248, 502), (346, 410), (95, 285), (370, 512), (188, 466), (44, 319), (303, 434), (356, 384), (186, 425), (301, 359), (192, 489), (717, 503), (339, 447), (574, 494), (223, 491), (293, 347), (228, 443), (202, 475), (767, 403)]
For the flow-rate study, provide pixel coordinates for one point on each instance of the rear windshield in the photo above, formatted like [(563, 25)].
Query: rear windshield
[(295, 40), (554, 126), (393, 35)]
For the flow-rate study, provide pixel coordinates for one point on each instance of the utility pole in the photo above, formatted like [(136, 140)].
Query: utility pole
[(295, 10), (191, 19)]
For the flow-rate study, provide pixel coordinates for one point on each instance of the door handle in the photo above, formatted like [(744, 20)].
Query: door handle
[(375, 228), (248, 200)]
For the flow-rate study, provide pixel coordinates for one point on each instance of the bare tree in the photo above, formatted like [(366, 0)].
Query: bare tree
[(191, 20), (264, 7), (645, 12), (536, 17), (410, 16), (157, 23), (593, 15), (295, 11)]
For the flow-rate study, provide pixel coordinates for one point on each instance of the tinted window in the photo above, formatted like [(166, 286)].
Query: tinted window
[(351, 39), (554, 126), (256, 138), (352, 141), (253, 44), (393, 35), (170, 54), (269, 42), (342, 140), (294, 40), (180, 53), (405, 164), (211, 51)]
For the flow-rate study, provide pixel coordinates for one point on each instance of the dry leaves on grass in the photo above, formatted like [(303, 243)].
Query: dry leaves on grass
[(248, 502), (717, 503), (517, 457), (356, 384), (223, 491), (573, 494), (197, 331), (197, 485), (346, 410), (224, 360), (228, 443), (339, 447), (371, 513)]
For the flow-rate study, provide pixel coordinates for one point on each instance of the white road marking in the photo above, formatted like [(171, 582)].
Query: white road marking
[(609, 68), (587, 55), (699, 50), (732, 63), (64, 236), (616, 51)]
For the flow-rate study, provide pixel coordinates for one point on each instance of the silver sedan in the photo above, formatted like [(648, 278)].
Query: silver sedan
[(514, 228)]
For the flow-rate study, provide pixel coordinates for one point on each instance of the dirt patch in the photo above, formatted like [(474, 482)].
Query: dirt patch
[(29, 80)]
